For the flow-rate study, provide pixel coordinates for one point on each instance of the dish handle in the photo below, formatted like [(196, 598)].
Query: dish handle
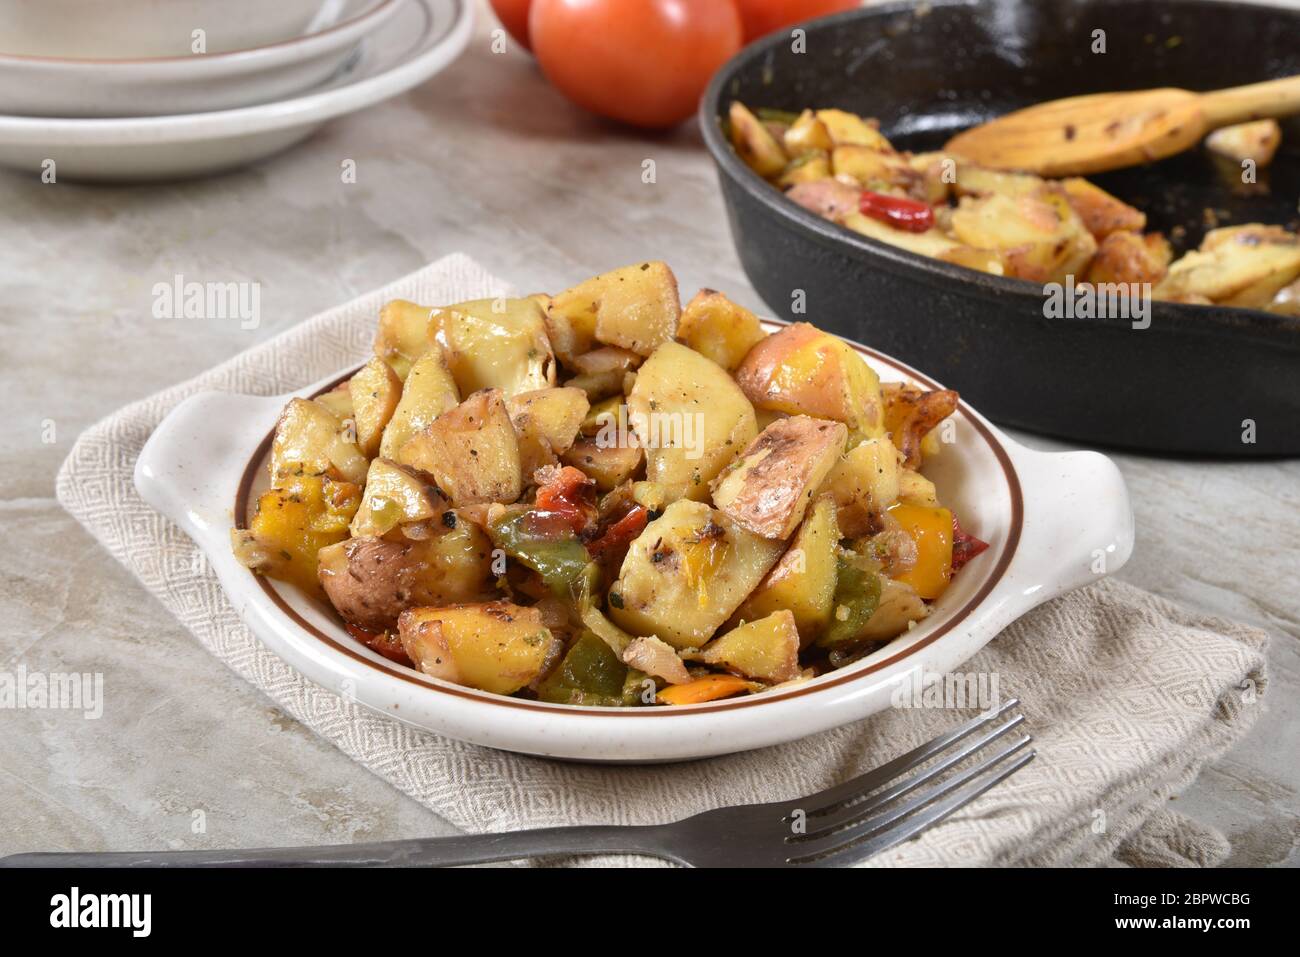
[(188, 470), (1078, 523)]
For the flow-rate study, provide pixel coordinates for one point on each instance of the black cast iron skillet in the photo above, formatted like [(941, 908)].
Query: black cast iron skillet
[(1201, 379)]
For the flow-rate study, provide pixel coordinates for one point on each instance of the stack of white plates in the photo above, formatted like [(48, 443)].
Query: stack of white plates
[(138, 89)]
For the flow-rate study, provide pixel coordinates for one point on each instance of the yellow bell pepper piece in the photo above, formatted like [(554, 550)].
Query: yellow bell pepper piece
[(931, 530)]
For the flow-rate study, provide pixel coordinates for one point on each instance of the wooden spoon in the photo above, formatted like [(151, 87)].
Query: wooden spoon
[(1102, 131)]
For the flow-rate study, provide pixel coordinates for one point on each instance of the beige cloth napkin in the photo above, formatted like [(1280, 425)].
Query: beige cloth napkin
[(1127, 695)]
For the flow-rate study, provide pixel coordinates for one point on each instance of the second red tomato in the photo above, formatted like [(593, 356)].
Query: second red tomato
[(644, 62)]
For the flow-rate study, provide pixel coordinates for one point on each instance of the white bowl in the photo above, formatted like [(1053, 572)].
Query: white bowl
[(423, 37), (135, 29), (60, 87), (1045, 517)]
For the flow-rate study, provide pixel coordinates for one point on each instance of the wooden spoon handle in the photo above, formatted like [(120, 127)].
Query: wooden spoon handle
[(1273, 98)]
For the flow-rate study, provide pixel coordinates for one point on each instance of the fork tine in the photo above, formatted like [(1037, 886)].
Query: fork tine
[(851, 811), (829, 799), (849, 843)]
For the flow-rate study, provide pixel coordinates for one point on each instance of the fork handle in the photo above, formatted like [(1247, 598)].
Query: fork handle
[(418, 852)]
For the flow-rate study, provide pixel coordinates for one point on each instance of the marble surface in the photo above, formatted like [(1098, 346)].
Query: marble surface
[(489, 160)]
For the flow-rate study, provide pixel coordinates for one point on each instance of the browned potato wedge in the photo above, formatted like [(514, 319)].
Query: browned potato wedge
[(863, 484), (690, 417), (1257, 140), (608, 465), (496, 344), (803, 581), (428, 393), (809, 168), (1124, 257), (898, 607), (754, 142), (403, 334), (873, 168), (973, 180), (338, 400), (607, 359), (911, 412), (807, 134), (1102, 213), (717, 328), (1040, 236), (393, 497), (768, 489), (310, 440), (375, 391), (849, 129), (546, 422), (471, 451), (804, 371), (1235, 261), (370, 581), (291, 524), (766, 650), (497, 646), (686, 573), (635, 307)]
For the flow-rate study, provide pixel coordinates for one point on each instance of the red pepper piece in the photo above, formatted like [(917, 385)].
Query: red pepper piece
[(964, 547), (909, 215)]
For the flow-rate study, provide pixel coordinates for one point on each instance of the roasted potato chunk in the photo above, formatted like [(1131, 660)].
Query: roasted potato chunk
[(1257, 140), (849, 129), (546, 423), (1040, 236), (863, 484), (403, 334), (1102, 214), (803, 580), (807, 134), (910, 414), (471, 451), (394, 496), (766, 650), (1236, 261), (635, 307), (310, 440), (375, 391), (496, 344), (290, 525), (370, 581), (686, 573), (496, 646), (754, 142), (768, 489), (690, 417), (608, 465), (718, 329), (429, 391), (1125, 258), (804, 371)]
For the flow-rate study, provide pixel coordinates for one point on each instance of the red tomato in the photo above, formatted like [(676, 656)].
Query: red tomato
[(644, 62), (513, 15), (761, 17), (910, 215)]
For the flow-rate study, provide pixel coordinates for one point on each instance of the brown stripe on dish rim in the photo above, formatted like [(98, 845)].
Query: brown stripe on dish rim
[(847, 674)]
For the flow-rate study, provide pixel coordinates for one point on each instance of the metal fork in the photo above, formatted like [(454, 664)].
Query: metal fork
[(842, 825)]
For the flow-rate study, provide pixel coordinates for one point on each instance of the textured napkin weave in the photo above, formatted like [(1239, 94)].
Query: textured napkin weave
[(1127, 695)]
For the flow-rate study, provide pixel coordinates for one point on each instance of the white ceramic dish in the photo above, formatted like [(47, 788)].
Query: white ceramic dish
[(423, 37), (1046, 517), (61, 87), (121, 29)]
